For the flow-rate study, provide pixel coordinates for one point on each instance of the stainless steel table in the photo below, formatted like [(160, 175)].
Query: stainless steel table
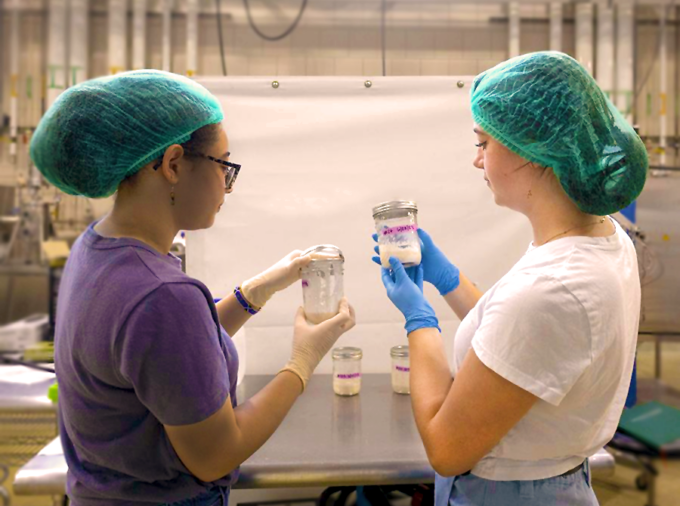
[(326, 440)]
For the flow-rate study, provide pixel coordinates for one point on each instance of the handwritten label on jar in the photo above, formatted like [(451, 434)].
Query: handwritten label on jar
[(348, 376), (401, 229), (402, 368), (305, 283)]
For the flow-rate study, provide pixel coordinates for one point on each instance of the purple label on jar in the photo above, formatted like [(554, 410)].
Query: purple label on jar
[(402, 368), (399, 230), (348, 376), (305, 283)]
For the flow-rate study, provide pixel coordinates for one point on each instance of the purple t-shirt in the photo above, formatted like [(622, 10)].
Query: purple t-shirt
[(138, 344)]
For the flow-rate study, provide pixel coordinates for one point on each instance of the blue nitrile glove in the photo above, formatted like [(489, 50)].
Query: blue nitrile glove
[(437, 269), (405, 290)]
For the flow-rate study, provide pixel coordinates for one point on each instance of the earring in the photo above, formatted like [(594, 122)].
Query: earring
[(172, 196)]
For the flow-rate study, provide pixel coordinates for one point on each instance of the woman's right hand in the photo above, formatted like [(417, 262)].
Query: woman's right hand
[(437, 269), (312, 342)]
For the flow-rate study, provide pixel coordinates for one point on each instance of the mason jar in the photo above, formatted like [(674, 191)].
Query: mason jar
[(401, 369), (322, 282), (347, 371), (396, 224)]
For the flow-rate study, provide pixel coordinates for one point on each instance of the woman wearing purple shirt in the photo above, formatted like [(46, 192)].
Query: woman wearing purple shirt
[(145, 363)]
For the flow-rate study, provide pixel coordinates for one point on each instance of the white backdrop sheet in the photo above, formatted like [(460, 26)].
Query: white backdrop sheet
[(318, 153)]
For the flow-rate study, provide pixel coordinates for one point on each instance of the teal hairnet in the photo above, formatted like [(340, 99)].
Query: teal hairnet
[(101, 131), (547, 108)]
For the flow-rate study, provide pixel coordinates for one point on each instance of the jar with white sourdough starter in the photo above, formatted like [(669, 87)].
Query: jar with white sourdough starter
[(322, 282), (347, 371), (396, 224), (401, 369)]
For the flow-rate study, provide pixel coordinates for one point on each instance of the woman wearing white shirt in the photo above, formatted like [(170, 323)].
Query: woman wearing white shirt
[(543, 360)]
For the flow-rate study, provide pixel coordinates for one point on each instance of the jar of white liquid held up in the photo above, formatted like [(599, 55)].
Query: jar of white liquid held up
[(346, 371), (322, 282), (396, 223), (401, 370)]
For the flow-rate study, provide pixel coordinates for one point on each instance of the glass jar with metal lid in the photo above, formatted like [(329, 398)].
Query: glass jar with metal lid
[(347, 371), (322, 282), (401, 369), (396, 223)]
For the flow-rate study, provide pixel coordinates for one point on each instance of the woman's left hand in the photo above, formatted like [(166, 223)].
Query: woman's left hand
[(405, 290), (259, 289)]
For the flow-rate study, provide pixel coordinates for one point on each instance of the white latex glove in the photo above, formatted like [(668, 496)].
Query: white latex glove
[(311, 343), (259, 289)]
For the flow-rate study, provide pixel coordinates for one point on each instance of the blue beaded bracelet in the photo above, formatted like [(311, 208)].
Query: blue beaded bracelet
[(244, 303)]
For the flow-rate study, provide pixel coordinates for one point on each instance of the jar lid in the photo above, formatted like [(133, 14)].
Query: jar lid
[(324, 252), (407, 205), (347, 352), (399, 351)]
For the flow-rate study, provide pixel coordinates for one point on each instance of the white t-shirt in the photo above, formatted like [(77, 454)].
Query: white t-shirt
[(562, 324)]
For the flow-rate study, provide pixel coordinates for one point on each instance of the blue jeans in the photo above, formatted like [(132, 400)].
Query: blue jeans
[(571, 490), (216, 496)]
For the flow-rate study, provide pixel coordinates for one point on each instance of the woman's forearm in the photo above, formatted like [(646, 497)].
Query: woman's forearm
[(231, 314), (463, 298), (430, 375)]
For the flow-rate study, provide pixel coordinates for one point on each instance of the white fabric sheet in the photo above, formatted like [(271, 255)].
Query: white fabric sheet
[(318, 153)]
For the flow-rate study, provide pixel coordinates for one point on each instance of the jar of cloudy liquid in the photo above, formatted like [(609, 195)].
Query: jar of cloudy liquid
[(401, 370), (347, 371), (322, 282), (396, 223)]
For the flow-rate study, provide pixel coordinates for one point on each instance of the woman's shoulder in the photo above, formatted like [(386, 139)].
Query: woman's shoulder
[(533, 290), (126, 272), (589, 274)]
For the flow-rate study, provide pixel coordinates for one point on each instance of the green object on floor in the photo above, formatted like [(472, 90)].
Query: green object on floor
[(53, 393), (653, 423)]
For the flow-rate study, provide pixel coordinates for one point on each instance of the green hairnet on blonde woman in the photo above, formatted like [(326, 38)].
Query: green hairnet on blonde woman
[(547, 108)]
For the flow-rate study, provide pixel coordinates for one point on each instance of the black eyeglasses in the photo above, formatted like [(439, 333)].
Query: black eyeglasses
[(231, 170)]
